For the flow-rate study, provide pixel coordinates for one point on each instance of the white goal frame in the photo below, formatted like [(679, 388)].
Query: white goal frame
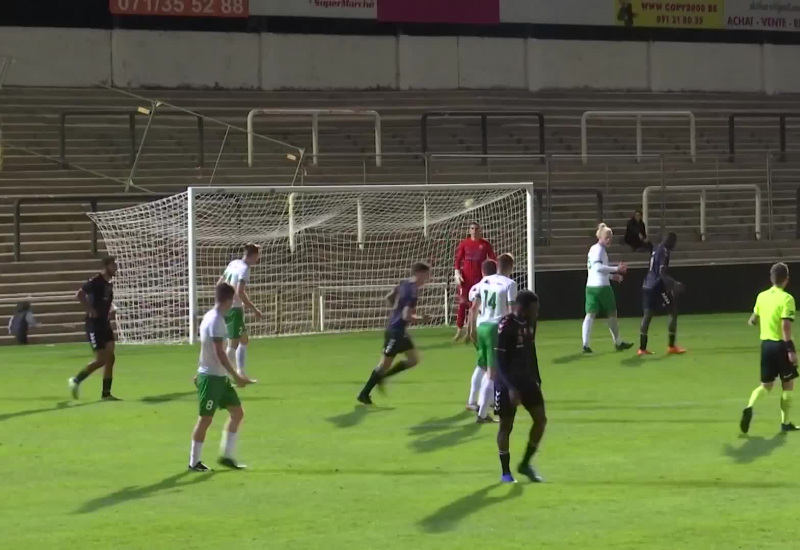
[(192, 193)]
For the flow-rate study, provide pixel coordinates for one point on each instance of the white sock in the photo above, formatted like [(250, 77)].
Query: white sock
[(613, 327), (231, 353), (196, 452), (475, 385), (240, 355), (587, 328), (228, 446), (487, 396)]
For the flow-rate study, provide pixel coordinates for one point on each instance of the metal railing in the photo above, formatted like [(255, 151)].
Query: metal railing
[(484, 118), (131, 114), (92, 200), (638, 115), (702, 189), (781, 116), (315, 114), (545, 238)]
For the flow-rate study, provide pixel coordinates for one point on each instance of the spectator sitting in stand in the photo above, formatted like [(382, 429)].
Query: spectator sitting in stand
[(636, 234)]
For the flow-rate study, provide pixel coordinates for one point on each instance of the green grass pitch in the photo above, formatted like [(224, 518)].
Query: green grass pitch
[(639, 454)]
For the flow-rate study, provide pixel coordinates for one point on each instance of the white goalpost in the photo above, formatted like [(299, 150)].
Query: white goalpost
[(329, 253)]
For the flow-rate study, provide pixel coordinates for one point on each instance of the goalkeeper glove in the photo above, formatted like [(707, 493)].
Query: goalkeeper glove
[(457, 277)]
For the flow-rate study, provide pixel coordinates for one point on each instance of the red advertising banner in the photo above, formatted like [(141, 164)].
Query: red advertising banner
[(181, 8), (478, 12)]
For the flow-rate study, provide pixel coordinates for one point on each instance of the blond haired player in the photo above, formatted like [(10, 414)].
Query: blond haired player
[(237, 274), (599, 294)]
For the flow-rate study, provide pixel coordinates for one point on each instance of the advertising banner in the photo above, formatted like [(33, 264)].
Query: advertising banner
[(477, 12), (180, 8), (763, 15), (679, 14), (349, 9)]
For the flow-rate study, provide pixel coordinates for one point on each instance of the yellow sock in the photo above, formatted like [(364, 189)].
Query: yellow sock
[(786, 405), (757, 393)]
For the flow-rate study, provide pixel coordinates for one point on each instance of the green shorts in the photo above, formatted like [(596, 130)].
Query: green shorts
[(486, 344), (234, 320), (215, 392), (600, 300)]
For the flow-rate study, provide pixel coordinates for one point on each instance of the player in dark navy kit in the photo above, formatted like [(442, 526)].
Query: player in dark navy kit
[(403, 300), (659, 291), (97, 297), (519, 382)]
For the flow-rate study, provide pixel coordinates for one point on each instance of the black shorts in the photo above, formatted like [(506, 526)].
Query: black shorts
[(775, 362), (658, 298), (99, 333), (396, 342), (525, 386)]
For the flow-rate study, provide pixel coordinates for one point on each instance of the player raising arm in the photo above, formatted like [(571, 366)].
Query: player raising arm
[(97, 298), (470, 255), (774, 312), (237, 274), (214, 388), (659, 291), (599, 294), (396, 340), (518, 382)]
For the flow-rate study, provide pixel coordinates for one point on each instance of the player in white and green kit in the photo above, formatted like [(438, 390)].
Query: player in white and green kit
[(599, 294), (237, 274), (214, 388), (491, 299)]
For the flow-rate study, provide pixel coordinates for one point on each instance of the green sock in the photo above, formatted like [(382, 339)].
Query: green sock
[(758, 392), (786, 405)]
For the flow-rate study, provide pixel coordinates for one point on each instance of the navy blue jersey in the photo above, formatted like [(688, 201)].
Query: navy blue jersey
[(405, 295), (659, 263)]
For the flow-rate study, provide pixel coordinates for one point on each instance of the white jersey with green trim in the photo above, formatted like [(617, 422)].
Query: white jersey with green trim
[(212, 329), (497, 293), (236, 272), (598, 268)]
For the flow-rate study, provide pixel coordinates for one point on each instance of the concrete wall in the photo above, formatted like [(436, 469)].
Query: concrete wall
[(587, 64), (126, 58), (56, 57), (320, 62), (706, 67), (185, 59)]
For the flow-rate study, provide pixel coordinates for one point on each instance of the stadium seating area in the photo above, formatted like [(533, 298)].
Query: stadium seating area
[(56, 235)]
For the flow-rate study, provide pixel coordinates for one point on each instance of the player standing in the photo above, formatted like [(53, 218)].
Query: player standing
[(659, 291), (97, 298), (774, 311), (403, 300), (470, 255), (519, 382), (237, 274), (599, 294), (214, 388), (491, 301)]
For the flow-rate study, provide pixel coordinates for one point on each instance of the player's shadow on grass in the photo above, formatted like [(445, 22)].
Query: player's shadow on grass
[(439, 424), (447, 437), (60, 406), (358, 414), (448, 517), (638, 360), (167, 397), (754, 448), (127, 494), (566, 359)]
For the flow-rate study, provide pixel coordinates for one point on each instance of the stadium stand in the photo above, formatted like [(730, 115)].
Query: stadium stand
[(56, 236)]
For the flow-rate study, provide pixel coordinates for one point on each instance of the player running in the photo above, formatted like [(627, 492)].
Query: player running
[(491, 301), (214, 388), (403, 300), (660, 291), (599, 294), (237, 274), (774, 311), (97, 298), (518, 382), (470, 255)]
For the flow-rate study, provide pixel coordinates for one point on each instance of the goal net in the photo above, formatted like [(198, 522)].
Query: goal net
[(329, 254)]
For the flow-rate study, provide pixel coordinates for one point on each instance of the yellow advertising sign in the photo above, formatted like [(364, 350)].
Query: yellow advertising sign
[(684, 14)]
